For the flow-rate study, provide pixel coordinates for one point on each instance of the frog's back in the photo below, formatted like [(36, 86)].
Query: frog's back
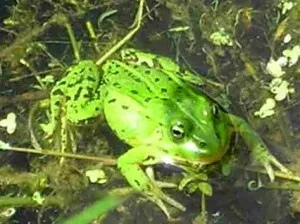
[(138, 99)]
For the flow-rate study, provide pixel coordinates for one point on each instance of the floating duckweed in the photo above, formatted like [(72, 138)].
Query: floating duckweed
[(274, 68), (221, 38), (267, 109), (280, 88), (8, 212), (4, 145), (292, 55), (285, 6), (9, 123), (287, 38), (96, 176), (37, 197)]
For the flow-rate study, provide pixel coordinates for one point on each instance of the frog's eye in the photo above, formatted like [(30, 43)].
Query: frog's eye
[(177, 131)]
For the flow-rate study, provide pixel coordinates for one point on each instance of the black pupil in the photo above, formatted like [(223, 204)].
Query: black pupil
[(177, 132)]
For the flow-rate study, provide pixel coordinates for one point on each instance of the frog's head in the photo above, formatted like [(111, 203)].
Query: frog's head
[(202, 134)]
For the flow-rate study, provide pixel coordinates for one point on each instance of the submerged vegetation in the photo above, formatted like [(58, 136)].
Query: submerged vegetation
[(248, 51)]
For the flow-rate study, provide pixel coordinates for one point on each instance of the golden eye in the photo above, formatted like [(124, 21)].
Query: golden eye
[(177, 130)]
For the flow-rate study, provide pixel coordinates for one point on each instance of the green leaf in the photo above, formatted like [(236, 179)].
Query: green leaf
[(192, 188), (192, 178), (95, 210), (205, 188), (227, 168), (4, 145)]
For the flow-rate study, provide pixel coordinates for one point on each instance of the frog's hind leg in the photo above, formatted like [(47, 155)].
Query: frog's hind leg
[(166, 64), (260, 153), (131, 164)]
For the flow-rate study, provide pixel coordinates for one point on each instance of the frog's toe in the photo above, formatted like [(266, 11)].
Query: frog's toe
[(279, 166), (263, 157), (158, 197), (269, 170)]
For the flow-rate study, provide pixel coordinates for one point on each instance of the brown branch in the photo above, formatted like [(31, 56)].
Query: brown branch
[(24, 98)]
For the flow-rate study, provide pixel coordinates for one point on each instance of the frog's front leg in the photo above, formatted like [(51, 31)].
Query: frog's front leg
[(259, 151), (131, 164)]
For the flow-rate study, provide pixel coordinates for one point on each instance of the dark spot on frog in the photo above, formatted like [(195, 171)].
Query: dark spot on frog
[(63, 82), (125, 107), (57, 103), (78, 81), (156, 80), (164, 150), (149, 158), (115, 72), (164, 99), (68, 72), (68, 98), (137, 183), (179, 89), (135, 66), (137, 79), (112, 100), (147, 117), (134, 91), (78, 93), (160, 124), (117, 66), (145, 64), (90, 69), (70, 85), (148, 99), (170, 79), (91, 78), (57, 92), (163, 90), (147, 72), (123, 130), (82, 70), (179, 73), (117, 85), (86, 96), (97, 108)]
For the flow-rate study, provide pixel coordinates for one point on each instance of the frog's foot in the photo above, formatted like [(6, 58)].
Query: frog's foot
[(161, 184), (131, 166), (157, 196), (263, 157)]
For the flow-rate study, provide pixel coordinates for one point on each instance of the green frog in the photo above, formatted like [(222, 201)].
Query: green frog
[(151, 104)]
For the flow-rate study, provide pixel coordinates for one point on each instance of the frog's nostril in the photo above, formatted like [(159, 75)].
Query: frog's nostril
[(202, 144)]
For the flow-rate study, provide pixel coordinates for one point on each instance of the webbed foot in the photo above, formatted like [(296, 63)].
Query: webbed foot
[(262, 156)]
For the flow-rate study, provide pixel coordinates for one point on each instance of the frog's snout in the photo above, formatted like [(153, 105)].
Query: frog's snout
[(208, 149)]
